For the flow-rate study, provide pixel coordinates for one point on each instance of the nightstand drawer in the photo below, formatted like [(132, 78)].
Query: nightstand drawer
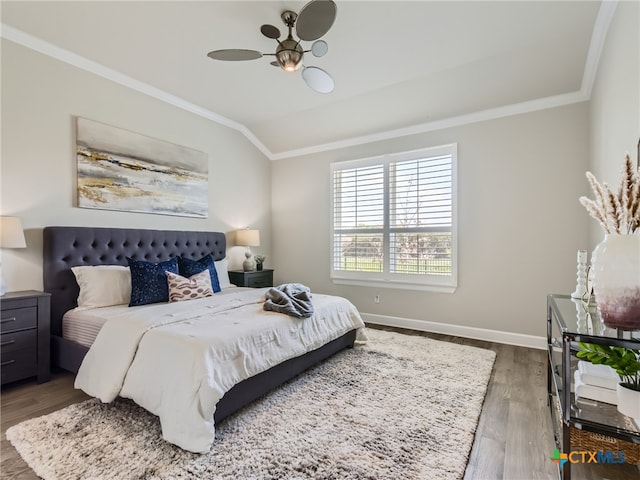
[(18, 319), (11, 342), (259, 281), (18, 355), (254, 279)]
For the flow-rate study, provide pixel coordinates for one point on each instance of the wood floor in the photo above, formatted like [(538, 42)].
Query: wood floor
[(513, 440)]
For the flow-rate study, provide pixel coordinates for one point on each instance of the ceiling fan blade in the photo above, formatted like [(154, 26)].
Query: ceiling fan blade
[(274, 64), (234, 55), (315, 19), (318, 79), (270, 31), (319, 48)]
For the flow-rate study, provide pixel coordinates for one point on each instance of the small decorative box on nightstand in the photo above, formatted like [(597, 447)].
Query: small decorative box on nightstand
[(255, 279), (25, 336)]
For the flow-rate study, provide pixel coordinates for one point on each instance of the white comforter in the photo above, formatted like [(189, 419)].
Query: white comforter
[(177, 360)]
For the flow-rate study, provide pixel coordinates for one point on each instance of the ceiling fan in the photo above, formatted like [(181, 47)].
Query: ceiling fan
[(314, 20)]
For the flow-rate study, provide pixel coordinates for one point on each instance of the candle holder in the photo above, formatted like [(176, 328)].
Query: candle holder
[(581, 275)]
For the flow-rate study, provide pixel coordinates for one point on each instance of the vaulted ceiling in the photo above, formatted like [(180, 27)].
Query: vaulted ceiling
[(398, 67)]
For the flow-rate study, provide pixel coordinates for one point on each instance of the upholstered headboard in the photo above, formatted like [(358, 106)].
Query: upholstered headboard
[(66, 247)]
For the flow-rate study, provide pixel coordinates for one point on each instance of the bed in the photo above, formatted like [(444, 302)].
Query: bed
[(68, 247)]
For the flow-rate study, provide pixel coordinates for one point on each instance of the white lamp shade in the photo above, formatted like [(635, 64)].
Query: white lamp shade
[(11, 233), (248, 238)]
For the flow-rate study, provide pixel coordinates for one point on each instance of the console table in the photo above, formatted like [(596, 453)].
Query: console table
[(570, 321)]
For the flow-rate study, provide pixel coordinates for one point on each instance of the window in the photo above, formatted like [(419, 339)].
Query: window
[(394, 220)]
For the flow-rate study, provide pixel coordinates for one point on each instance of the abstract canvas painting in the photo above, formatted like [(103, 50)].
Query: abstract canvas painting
[(122, 170)]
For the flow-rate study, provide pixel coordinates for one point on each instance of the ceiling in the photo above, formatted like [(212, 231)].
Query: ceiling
[(398, 66)]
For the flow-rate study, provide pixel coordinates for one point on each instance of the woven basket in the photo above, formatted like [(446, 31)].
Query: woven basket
[(590, 441)]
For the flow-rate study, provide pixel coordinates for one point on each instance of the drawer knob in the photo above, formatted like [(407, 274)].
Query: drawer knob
[(6, 320), (10, 342), (8, 362)]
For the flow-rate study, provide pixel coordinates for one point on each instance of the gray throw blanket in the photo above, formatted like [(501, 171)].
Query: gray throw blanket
[(291, 299)]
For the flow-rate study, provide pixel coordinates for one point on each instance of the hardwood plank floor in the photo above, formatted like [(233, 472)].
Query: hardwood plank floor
[(513, 441), (23, 400)]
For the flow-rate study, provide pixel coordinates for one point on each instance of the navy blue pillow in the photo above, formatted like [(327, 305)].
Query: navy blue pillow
[(188, 268), (149, 281)]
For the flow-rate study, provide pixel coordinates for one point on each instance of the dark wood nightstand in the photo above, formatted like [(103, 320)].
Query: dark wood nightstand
[(255, 279), (25, 336)]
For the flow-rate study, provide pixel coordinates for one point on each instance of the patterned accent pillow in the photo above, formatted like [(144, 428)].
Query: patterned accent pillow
[(188, 268), (149, 281), (196, 286)]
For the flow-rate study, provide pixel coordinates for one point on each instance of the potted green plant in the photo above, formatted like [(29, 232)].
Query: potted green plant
[(626, 363), (259, 261)]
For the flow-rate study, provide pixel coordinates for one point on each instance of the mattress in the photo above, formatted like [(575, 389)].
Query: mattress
[(82, 325)]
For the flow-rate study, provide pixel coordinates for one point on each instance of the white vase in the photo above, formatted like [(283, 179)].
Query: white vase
[(616, 280), (628, 401)]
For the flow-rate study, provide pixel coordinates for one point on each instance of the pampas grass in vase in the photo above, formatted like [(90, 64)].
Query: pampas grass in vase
[(616, 260)]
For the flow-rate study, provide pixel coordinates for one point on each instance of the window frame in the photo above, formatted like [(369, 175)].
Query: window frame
[(385, 279)]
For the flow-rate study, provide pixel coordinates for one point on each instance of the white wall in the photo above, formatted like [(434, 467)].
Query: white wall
[(519, 179), (520, 222), (40, 98), (615, 102)]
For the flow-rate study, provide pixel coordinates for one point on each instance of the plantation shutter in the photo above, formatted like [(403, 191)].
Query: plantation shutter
[(393, 220), (420, 216), (358, 218)]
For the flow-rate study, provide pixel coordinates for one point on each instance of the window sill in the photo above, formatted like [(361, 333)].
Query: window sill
[(395, 284)]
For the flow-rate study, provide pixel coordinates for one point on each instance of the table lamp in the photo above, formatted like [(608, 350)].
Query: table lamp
[(248, 238), (11, 236)]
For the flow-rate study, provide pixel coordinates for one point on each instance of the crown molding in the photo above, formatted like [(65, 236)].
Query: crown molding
[(53, 51), (598, 37), (466, 119)]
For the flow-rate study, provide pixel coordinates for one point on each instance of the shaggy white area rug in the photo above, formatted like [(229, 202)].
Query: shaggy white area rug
[(398, 407)]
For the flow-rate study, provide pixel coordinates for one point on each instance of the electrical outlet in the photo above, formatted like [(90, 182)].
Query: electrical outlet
[(376, 299)]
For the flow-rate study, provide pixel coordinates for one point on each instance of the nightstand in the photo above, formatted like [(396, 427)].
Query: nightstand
[(255, 279), (25, 336)]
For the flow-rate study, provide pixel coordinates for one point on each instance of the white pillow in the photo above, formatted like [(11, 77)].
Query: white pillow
[(222, 268), (103, 285)]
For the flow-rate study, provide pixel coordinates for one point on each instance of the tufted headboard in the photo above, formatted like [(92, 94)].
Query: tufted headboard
[(66, 247)]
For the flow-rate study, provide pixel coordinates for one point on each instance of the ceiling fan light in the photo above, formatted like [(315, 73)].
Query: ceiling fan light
[(289, 56)]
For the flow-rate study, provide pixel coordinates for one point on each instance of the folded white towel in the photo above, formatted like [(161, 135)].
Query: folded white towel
[(582, 390), (598, 375)]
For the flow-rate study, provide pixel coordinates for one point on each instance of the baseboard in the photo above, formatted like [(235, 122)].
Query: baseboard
[(529, 341)]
